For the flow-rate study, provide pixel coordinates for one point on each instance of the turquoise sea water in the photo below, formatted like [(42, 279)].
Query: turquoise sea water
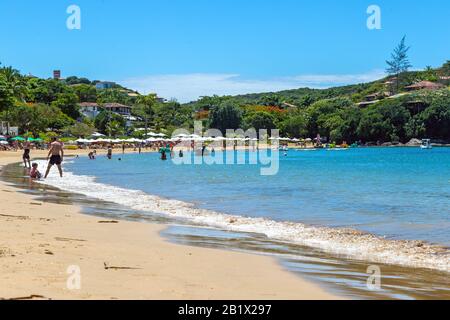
[(396, 193)]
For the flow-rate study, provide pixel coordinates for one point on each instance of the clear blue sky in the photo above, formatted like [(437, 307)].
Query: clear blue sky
[(182, 48)]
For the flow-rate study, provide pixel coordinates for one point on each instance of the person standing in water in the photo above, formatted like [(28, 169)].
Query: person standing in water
[(55, 156), (26, 154), (109, 154)]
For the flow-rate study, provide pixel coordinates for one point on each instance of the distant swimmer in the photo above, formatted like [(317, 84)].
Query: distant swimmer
[(34, 173), (26, 154), (109, 154), (180, 154), (55, 156), (163, 155)]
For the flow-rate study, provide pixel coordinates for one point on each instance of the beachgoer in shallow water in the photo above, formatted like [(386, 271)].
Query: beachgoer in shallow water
[(203, 150), (26, 154), (163, 155), (180, 154), (55, 156), (109, 153), (34, 173)]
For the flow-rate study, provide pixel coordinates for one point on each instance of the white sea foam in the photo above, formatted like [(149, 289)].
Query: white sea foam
[(346, 242)]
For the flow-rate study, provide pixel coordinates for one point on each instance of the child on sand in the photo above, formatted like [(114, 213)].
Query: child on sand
[(34, 173)]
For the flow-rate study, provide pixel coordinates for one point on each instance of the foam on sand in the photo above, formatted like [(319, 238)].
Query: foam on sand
[(346, 242)]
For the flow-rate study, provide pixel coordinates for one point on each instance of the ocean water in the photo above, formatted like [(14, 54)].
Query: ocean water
[(389, 205)]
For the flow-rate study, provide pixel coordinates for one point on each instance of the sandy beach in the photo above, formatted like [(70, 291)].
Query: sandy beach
[(40, 242)]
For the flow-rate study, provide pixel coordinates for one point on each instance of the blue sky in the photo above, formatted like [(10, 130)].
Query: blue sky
[(184, 49)]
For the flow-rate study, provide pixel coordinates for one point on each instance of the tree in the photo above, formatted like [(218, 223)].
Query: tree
[(445, 69), (399, 62), (85, 93), (68, 103), (103, 120), (429, 74), (37, 117), (436, 117), (80, 130), (271, 100), (260, 120), (14, 82), (226, 116), (6, 97), (144, 108), (295, 126)]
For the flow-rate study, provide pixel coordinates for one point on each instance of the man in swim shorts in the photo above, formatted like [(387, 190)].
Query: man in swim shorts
[(55, 156)]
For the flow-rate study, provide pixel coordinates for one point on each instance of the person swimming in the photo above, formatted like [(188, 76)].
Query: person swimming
[(180, 154)]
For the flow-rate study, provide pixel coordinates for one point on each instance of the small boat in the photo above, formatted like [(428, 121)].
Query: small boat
[(426, 144)]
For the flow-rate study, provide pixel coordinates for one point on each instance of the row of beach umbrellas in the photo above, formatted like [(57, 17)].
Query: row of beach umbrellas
[(19, 138), (178, 138)]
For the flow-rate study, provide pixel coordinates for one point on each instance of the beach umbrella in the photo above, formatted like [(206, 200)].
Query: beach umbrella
[(97, 134), (18, 138), (4, 142), (181, 135), (2, 138)]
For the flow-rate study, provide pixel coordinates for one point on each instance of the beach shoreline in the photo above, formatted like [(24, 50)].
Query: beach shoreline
[(41, 244)]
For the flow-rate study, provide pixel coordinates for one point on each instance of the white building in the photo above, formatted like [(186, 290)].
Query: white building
[(90, 109)]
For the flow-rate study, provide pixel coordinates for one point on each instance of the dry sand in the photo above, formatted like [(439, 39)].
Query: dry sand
[(125, 260)]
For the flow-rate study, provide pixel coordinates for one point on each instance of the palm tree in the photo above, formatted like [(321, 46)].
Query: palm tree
[(15, 82), (14, 87), (145, 107)]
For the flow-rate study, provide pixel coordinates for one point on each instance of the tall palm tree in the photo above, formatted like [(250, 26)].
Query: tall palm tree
[(14, 85), (15, 82)]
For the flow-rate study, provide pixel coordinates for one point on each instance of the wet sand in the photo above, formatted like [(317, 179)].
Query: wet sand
[(43, 245)]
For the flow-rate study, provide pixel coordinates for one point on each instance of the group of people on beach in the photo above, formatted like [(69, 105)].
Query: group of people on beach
[(55, 156)]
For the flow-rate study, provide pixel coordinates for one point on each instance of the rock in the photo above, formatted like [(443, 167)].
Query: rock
[(414, 143)]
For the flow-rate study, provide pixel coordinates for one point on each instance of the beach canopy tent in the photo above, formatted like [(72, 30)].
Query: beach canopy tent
[(152, 134), (18, 138)]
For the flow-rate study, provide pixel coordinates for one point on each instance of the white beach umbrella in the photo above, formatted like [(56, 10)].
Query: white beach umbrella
[(97, 134), (4, 142)]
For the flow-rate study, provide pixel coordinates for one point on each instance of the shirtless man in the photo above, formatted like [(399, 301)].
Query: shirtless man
[(26, 154), (55, 155)]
